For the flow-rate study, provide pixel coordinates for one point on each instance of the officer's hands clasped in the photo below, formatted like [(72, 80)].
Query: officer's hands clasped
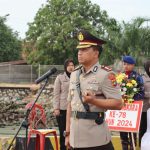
[(88, 96)]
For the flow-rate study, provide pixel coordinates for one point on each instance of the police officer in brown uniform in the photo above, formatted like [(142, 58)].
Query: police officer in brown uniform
[(61, 88), (91, 93)]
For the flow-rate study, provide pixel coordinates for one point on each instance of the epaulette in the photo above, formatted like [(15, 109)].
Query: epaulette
[(106, 68), (78, 67)]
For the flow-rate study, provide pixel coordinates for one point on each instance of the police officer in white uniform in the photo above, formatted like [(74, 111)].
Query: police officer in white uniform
[(91, 93)]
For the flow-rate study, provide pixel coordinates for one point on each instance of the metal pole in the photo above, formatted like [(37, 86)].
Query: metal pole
[(9, 72), (133, 143), (31, 74), (25, 122), (39, 71)]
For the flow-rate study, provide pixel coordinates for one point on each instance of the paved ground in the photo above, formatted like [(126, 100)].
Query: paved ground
[(10, 131)]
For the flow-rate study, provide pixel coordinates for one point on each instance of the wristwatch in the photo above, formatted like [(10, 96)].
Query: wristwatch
[(65, 134)]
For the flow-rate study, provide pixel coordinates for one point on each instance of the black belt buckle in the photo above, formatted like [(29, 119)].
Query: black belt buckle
[(100, 119)]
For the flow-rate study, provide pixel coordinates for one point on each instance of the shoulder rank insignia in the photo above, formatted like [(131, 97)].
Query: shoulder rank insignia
[(106, 68), (112, 77), (78, 67)]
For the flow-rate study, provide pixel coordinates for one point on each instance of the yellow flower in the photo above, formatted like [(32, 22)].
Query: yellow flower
[(133, 82), (119, 81), (120, 77), (129, 84), (128, 87)]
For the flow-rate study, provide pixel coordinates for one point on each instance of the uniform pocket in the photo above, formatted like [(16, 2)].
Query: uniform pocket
[(72, 86), (65, 85), (72, 89)]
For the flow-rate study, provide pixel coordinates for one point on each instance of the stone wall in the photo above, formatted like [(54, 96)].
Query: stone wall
[(14, 99)]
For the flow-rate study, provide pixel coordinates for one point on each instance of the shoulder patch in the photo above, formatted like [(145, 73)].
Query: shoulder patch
[(78, 67), (112, 77), (106, 68)]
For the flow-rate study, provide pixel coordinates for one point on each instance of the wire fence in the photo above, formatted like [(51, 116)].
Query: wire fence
[(26, 73), (29, 73)]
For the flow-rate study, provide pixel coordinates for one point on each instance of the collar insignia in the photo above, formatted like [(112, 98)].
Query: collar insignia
[(95, 69)]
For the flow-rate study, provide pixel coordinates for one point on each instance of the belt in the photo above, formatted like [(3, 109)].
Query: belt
[(87, 115)]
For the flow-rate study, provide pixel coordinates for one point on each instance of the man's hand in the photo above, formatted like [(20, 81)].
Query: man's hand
[(56, 112), (67, 142), (88, 97)]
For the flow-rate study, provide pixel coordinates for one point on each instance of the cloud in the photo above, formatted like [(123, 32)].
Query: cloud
[(23, 11), (125, 9)]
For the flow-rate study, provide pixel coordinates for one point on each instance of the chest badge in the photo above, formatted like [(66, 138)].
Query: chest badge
[(95, 69)]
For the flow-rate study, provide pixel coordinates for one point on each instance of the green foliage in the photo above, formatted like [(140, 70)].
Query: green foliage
[(54, 30), (135, 39), (10, 46), (52, 36), (131, 38)]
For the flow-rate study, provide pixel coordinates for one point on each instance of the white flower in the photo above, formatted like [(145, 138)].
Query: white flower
[(123, 84), (135, 84), (135, 89), (124, 89), (122, 93)]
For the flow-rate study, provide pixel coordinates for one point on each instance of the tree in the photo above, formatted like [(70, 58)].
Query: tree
[(135, 39), (51, 37), (132, 38), (10, 46)]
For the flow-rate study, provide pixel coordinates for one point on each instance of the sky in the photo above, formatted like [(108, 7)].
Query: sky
[(21, 12)]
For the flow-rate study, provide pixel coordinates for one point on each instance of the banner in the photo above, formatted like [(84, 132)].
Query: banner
[(127, 119)]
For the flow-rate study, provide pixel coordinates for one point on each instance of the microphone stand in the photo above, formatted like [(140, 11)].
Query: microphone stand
[(25, 122)]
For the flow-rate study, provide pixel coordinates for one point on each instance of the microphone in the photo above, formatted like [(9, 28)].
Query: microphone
[(46, 75)]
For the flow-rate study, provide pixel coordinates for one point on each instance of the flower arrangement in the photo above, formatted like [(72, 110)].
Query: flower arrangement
[(128, 87)]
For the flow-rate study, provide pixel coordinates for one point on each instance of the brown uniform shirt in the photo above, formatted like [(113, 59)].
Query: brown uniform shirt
[(61, 88), (84, 132)]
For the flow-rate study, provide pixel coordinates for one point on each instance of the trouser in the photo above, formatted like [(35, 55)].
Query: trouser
[(108, 146), (143, 126), (126, 140), (61, 119)]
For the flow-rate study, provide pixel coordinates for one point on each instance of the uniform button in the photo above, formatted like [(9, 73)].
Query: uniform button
[(82, 78), (72, 93)]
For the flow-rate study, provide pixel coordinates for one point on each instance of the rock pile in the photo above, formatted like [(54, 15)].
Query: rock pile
[(14, 100)]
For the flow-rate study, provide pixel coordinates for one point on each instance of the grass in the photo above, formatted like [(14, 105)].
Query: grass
[(117, 143)]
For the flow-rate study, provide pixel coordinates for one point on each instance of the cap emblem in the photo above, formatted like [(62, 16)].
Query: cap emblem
[(80, 37)]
